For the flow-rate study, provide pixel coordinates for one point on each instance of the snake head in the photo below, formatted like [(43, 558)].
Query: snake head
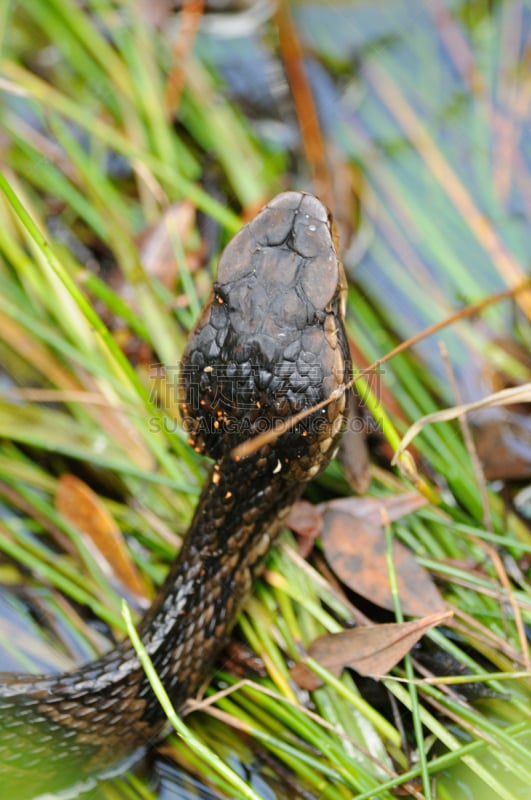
[(270, 341)]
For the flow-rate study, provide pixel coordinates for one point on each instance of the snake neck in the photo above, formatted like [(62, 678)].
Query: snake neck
[(234, 524)]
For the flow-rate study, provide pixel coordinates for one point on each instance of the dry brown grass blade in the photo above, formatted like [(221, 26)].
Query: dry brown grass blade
[(506, 397), (191, 14), (312, 138)]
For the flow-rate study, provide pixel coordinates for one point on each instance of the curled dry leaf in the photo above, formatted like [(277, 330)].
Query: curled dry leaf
[(83, 508), (356, 551), (372, 650)]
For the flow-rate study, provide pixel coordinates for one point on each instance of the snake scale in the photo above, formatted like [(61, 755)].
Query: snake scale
[(269, 343)]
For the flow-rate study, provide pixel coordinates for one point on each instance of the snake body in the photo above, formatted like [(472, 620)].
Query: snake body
[(269, 343)]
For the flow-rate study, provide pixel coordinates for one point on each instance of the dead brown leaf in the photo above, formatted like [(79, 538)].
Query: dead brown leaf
[(157, 243), (502, 435), (378, 510), (306, 521), (372, 650), (503, 443), (83, 508), (356, 551)]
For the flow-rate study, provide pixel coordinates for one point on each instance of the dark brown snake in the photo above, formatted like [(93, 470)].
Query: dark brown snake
[(269, 343)]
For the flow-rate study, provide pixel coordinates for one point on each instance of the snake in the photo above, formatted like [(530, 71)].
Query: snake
[(269, 345)]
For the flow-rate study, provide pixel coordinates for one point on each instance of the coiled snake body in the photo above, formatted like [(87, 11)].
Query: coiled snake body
[(269, 343)]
